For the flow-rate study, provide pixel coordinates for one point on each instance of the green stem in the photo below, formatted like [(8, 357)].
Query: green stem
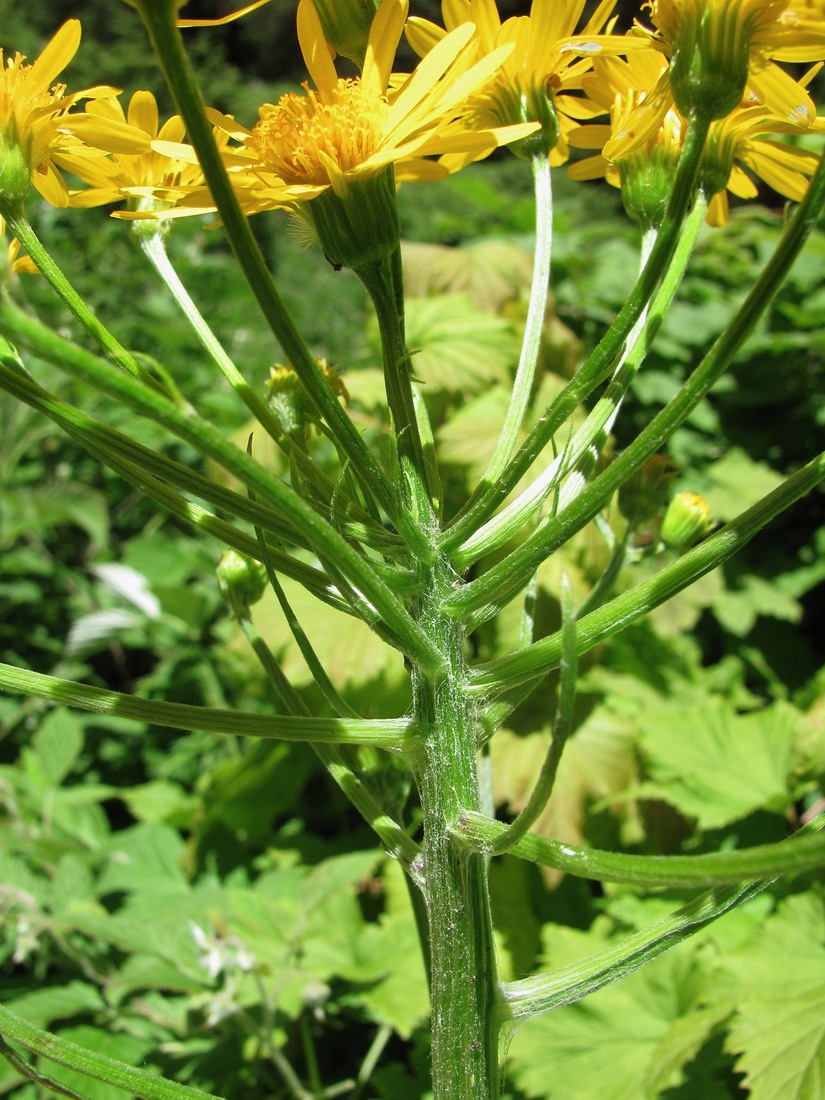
[(488, 497), (792, 856), (534, 996), (534, 325), (159, 18), (525, 665), (464, 989), (137, 1082), (389, 733), (579, 457), (187, 425), (381, 280), (501, 582), (153, 247), (562, 726), (21, 228)]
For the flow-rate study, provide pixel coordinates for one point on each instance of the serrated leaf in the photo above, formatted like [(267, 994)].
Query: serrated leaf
[(43, 1006), (457, 348), (778, 981), (737, 482), (58, 743), (400, 996), (737, 609), (715, 765), (606, 1045)]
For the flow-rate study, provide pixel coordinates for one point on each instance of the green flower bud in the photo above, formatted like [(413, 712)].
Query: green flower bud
[(241, 580), (687, 520), (346, 25), (646, 178), (15, 175), (643, 496)]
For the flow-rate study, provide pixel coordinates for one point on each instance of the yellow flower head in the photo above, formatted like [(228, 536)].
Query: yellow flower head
[(545, 65), (36, 122), (145, 181), (349, 129), (739, 146), (712, 45), (720, 56)]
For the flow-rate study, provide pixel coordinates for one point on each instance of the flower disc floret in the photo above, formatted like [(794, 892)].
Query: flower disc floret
[(301, 136)]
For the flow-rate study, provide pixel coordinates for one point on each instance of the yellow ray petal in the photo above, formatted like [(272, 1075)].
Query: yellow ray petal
[(385, 34), (315, 50)]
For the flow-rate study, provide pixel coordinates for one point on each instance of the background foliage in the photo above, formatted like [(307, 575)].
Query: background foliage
[(217, 910)]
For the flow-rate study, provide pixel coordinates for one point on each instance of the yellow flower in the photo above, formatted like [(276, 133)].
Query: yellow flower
[(720, 53), (743, 140), (738, 146), (347, 130), (543, 68), (36, 122), (146, 181)]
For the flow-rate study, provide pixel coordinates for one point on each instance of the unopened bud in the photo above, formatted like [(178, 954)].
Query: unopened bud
[(687, 520)]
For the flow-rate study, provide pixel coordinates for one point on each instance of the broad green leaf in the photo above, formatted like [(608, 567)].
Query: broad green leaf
[(399, 996), (143, 857), (58, 743), (161, 803), (612, 1042), (457, 348), (717, 766), (491, 273), (737, 482), (598, 763), (59, 1002), (778, 983), (737, 609)]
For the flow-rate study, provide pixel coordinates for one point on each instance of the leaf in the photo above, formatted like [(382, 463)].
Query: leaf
[(778, 981), (715, 765), (609, 1044), (737, 609), (737, 482), (400, 996), (457, 348), (58, 743), (598, 763), (43, 1006)]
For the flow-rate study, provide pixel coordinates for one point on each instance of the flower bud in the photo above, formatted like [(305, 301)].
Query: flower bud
[(241, 580), (514, 104), (687, 520), (15, 174), (643, 496), (346, 25)]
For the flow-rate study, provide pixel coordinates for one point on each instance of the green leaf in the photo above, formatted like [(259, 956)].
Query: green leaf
[(399, 997), (737, 609), (44, 1006), (58, 743), (737, 482), (715, 765), (778, 981), (457, 348), (616, 1043)]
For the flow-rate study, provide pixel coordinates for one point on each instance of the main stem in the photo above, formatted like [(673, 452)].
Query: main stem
[(464, 985)]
